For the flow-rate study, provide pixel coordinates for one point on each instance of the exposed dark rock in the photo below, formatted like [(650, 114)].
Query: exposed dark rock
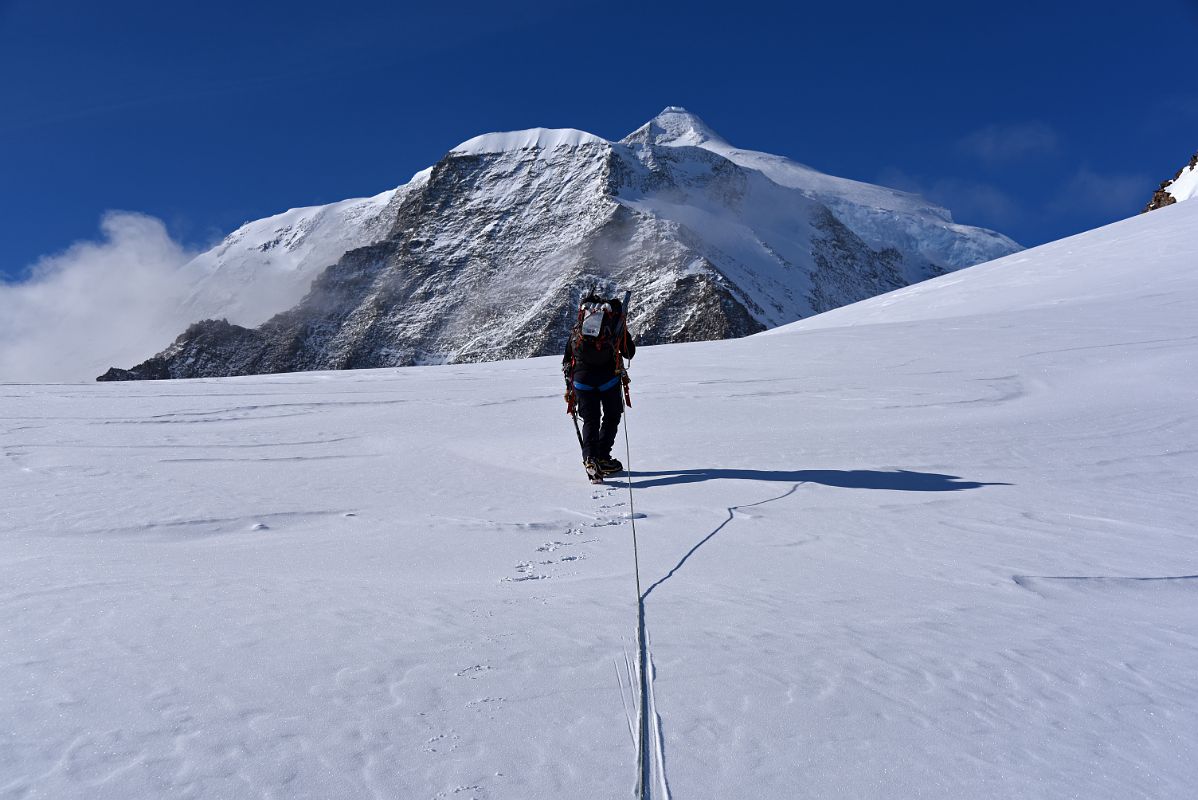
[(1161, 196), (847, 270)]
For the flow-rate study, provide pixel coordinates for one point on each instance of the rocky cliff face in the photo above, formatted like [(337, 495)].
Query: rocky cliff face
[(484, 257), (1182, 186)]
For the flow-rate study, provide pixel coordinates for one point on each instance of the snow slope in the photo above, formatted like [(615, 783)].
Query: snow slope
[(937, 544), (267, 265), (872, 212), (1185, 185)]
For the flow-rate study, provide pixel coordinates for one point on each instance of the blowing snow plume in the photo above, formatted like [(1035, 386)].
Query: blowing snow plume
[(93, 303), (120, 299)]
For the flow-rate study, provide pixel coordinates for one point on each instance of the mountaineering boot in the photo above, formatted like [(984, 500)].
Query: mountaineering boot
[(610, 466), (593, 470)]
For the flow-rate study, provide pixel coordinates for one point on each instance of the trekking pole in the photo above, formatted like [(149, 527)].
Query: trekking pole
[(577, 430), (631, 510), (572, 410)]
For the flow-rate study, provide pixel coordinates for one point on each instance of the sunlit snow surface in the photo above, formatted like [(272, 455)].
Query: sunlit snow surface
[(1185, 186), (540, 139), (939, 544)]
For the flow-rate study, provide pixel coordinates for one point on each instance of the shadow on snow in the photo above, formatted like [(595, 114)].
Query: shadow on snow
[(895, 480)]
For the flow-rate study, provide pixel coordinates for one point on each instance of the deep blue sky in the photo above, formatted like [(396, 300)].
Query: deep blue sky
[(1038, 119)]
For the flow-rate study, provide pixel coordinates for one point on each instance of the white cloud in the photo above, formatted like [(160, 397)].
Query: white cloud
[(1002, 144), (112, 302)]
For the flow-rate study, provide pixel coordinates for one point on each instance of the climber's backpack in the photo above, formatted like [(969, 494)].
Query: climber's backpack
[(595, 332)]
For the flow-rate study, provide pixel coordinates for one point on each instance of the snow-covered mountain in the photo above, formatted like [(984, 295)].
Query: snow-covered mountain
[(485, 254), (1182, 186), (938, 544), (268, 265)]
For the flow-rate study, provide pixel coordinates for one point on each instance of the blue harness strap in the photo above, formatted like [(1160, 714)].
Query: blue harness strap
[(582, 387)]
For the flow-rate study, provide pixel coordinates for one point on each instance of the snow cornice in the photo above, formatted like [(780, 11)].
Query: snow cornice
[(532, 139)]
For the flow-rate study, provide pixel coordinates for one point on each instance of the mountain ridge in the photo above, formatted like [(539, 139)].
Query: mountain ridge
[(484, 257)]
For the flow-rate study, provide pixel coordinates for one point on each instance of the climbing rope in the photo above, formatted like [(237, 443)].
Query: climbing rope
[(644, 759)]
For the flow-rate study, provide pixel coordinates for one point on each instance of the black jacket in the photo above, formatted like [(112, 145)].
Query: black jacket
[(598, 367)]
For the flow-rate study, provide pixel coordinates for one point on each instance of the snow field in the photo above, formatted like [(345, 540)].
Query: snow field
[(938, 544), (219, 641)]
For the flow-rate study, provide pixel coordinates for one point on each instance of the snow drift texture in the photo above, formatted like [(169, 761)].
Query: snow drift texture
[(939, 544), (483, 256)]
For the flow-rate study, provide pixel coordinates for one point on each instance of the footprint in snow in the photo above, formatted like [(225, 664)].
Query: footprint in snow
[(442, 742), (483, 701), (474, 789), (473, 672), (526, 573), (490, 707)]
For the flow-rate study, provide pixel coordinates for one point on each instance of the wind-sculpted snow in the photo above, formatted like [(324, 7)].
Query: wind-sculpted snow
[(937, 544), (484, 256)]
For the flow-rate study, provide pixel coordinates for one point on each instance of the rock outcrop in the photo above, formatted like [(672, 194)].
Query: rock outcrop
[(1180, 187)]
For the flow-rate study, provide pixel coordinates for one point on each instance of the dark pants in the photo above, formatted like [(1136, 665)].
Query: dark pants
[(598, 437)]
